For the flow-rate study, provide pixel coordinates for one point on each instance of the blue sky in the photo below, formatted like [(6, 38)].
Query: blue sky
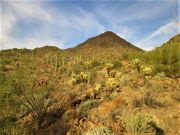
[(66, 23)]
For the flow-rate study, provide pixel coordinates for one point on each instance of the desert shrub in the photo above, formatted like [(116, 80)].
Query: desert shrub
[(100, 131), (95, 63), (124, 56), (150, 99), (12, 128), (137, 123), (160, 75), (86, 106), (103, 83), (37, 106), (116, 63), (125, 80)]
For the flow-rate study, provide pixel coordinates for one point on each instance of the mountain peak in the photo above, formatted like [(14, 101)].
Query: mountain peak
[(108, 34), (108, 39)]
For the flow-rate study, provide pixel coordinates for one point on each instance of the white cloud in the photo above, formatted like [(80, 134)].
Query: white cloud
[(66, 25), (59, 27), (159, 36)]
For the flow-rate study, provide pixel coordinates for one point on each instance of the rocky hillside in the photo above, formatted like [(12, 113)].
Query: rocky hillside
[(103, 86), (108, 39)]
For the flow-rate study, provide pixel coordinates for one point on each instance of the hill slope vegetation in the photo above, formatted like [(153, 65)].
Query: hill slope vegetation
[(104, 85)]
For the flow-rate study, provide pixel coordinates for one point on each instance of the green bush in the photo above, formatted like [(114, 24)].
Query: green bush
[(100, 131), (137, 123), (86, 106)]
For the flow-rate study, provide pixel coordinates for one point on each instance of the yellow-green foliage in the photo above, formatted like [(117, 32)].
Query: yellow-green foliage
[(112, 83), (147, 71), (82, 77), (112, 73), (98, 87), (87, 65), (109, 67), (137, 123), (86, 106), (136, 61), (136, 64), (118, 75)]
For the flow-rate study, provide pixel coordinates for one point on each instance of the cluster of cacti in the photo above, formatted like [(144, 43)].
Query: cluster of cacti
[(112, 83), (82, 77)]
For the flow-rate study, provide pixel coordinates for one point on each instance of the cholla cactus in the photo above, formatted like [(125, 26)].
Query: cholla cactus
[(147, 71), (84, 77), (74, 80), (98, 87), (109, 67), (136, 63), (112, 83), (112, 73), (118, 75)]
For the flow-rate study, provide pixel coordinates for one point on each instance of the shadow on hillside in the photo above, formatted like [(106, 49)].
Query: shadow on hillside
[(159, 131)]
